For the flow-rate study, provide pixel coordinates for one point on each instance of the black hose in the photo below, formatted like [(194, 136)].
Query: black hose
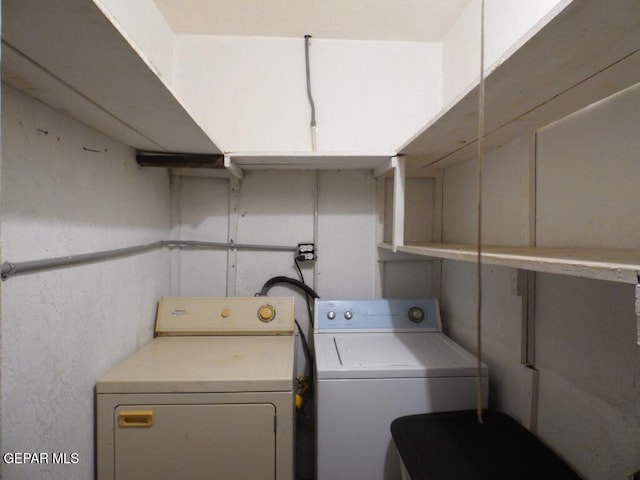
[(291, 281), (306, 294), (306, 349), (309, 292)]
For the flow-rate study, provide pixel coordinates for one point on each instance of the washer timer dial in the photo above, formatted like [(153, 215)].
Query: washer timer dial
[(416, 314), (266, 313)]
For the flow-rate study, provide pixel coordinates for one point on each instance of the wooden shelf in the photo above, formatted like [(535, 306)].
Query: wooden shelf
[(601, 264), (69, 55), (308, 160), (588, 51)]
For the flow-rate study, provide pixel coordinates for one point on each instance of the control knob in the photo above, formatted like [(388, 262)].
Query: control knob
[(348, 315), (416, 314), (266, 313)]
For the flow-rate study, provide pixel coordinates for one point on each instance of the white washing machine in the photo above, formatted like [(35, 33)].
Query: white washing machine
[(377, 360), (211, 397)]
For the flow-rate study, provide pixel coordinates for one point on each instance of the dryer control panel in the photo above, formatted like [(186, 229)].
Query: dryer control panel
[(225, 316), (380, 314)]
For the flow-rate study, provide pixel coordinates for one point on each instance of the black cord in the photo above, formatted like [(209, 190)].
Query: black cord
[(306, 294), (305, 348), (295, 260), (309, 292), (291, 281)]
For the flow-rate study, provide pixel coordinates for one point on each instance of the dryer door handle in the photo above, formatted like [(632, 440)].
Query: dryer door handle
[(135, 419)]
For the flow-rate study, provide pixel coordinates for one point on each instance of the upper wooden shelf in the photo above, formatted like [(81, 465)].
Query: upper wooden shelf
[(308, 160), (588, 51), (601, 264), (69, 55)]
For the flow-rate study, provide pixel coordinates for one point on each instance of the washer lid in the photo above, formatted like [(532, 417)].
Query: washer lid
[(205, 364), (386, 355)]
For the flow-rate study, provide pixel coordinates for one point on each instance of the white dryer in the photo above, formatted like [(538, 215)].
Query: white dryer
[(211, 397), (377, 360)]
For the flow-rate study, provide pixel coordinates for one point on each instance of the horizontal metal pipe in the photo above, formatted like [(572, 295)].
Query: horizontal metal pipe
[(229, 245), (10, 268)]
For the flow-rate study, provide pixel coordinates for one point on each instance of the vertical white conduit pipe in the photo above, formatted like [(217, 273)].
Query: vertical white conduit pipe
[(481, 92), (314, 128)]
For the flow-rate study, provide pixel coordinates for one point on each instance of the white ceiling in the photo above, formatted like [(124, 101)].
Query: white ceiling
[(401, 20)]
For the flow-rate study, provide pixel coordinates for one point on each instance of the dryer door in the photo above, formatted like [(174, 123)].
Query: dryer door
[(194, 441)]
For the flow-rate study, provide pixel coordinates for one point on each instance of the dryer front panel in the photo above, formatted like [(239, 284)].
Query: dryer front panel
[(246, 435), (195, 441)]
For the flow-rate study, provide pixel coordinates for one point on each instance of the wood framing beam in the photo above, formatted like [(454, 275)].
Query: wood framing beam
[(179, 160)]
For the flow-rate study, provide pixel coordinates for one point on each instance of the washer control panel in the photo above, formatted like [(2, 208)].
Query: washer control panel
[(380, 314), (225, 316)]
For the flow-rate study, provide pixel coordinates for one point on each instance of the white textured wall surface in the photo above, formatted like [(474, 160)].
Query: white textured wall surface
[(589, 364), (278, 208), (505, 176), (146, 29), (273, 208), (67, 190), (346, 234), (201, 212), (506, 22), (250, 93), (505, 200), (587, 183), (501, 327), (588, 176), (585, 341), (409, 276), (419, 206)]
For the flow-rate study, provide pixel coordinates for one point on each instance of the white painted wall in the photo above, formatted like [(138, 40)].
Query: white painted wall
[(507, 23), (587, 353), (505, 199), (505, 175), (589, 363), (251, 92), (201, 212), (146, 29), (585, 340), (62, 329), (278, 208), (274, 208), (346, 234), (597, 148)]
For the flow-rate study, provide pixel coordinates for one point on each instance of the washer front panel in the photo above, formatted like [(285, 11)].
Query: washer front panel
[(377, 360), (380, 314)]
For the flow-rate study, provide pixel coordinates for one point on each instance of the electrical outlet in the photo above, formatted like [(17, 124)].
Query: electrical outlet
[(306, 252)]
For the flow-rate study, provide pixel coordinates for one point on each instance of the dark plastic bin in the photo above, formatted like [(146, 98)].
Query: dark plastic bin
[(455, 446)]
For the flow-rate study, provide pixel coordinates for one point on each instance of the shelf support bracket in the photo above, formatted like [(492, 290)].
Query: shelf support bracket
[(397, 234), (399, 171), (396, 165), (232, 168), (638, 310)]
